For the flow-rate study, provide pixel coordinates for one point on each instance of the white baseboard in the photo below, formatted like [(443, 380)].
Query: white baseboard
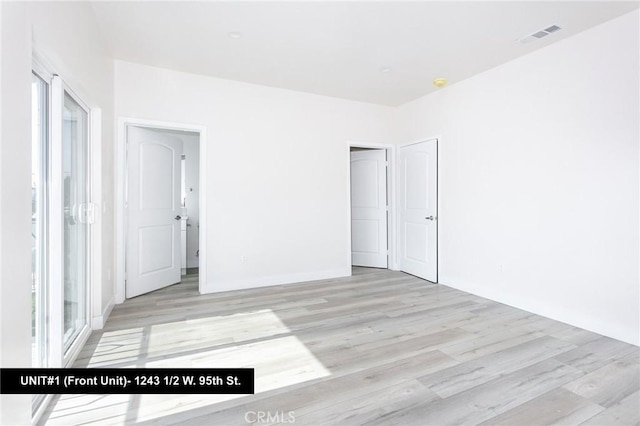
[(228, 285), (98, 322), (617, 331)]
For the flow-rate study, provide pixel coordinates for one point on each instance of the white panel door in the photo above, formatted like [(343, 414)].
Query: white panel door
[(417, 215), (153, 207), (369, 208)]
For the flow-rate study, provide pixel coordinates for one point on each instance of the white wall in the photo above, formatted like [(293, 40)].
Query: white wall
[(539, 177), (15, 204), (277, 193), (65, 33)]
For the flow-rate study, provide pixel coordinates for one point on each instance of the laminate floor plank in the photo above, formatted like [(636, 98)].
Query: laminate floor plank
[(379, 347), (556, 407), (487, 342), (485, 401), (610, 384), (625, 412), (481, 370), (576, 336), (596, 354), (369, 407), (338, 388)]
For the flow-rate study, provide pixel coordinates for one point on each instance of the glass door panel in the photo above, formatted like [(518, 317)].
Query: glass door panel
[(75, 193), (39, 138), (39, 223)]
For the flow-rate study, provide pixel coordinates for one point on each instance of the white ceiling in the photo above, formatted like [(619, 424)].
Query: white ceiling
[(339, 48)]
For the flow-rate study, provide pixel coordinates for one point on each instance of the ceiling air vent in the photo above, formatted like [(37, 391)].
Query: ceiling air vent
[(540, 34)]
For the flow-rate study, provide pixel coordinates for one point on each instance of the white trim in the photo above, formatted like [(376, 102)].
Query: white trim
[(279, 280), (121, 237), (438, 139), (44, 404), (95, 200), (76, 347), (41, 66), (417, 141), (56, 228), (202, 210), (392, 260), (119, 258), (76, 97), (98, 322), (51, 67)]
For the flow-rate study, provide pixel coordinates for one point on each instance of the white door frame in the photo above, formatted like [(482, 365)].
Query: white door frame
[(121, 169), (392, 261), (438, 139)]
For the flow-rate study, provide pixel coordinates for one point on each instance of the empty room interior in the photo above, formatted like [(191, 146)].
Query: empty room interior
[(395, 213)]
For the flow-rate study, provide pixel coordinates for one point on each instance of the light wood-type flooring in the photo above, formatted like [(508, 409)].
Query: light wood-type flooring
[(377, 348)]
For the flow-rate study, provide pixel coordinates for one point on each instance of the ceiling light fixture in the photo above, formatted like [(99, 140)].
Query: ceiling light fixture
[(234, 35), (439, 82)]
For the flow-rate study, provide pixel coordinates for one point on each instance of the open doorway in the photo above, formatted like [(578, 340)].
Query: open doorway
[(189, 201), (161, 206), (371, 214), (162, 200)]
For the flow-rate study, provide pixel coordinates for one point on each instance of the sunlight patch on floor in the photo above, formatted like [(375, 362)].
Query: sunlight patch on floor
[(214, 331), (118, 346), (258, 340), (90, 409)]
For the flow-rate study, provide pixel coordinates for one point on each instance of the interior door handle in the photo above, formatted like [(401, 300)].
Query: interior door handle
[(429, 218), (178, 217)]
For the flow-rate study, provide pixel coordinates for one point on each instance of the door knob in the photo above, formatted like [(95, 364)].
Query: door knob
[(429, 217), (178, 217)]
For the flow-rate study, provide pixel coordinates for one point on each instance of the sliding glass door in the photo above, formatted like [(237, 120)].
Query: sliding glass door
[(75, 200), (61, 218)]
